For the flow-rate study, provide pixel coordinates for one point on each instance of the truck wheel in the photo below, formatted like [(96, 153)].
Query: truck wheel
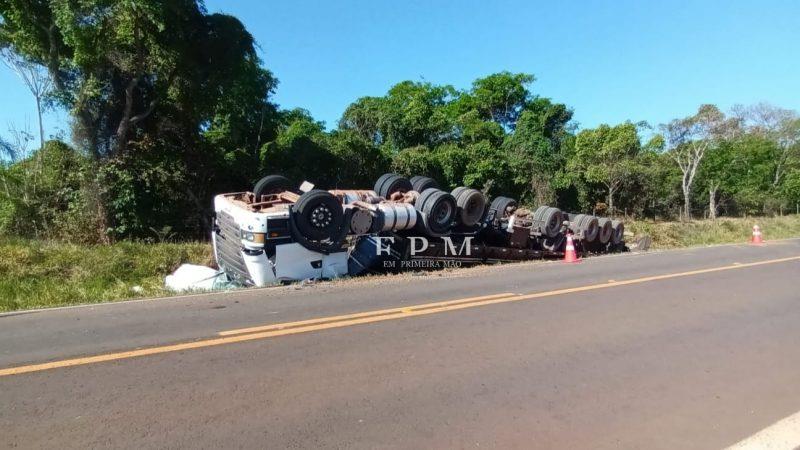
[(391, 184), (457, 191), (420, 184), (590, 228), (318, 215), (552, 222), (538, 215), (271, 184), (381, 180), (438, 209), (576, 223), (423, 196), (502, 207), (471, 205), (606, 230), (619, 231)]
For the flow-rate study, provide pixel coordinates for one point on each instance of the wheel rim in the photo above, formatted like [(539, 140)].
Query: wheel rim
[(321, 217), (443, 213)]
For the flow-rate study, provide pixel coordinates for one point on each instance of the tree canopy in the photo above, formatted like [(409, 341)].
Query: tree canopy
[(170, 105)]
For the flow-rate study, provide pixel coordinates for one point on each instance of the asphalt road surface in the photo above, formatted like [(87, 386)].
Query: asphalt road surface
[(688, 349)]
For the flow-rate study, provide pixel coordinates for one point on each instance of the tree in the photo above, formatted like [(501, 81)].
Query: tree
[(718, 172), (535, 147), (301, 151), (409, 115), (500, 97), (689, 138), (777, 124), (35, 78), (122, 74), (151, 82), (607, 155)]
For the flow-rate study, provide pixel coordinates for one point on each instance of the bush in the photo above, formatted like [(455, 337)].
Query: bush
[(51, 194)]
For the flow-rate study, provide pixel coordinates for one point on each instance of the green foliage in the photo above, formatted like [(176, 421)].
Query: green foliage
[(608, 156), (500, 97), (411, 114), (158, 88), (50, 195), (171, 105), (536, 150), (300, 151), (498, 136)]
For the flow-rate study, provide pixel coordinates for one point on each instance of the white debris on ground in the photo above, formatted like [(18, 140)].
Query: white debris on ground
[(194, 278)]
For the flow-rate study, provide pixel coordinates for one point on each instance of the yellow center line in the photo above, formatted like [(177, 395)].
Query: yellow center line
[(325, 323), (404, 309)]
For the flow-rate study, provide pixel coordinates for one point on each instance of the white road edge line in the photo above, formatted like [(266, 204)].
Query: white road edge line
[(782, 435)]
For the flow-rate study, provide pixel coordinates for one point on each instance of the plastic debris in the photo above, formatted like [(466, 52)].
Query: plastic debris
[(190, 277)]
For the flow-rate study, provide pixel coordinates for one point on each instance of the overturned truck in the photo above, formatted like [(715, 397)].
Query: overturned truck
[(277, 233)]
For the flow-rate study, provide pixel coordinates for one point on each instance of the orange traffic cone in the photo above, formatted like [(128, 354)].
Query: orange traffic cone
[(570, 256), (757, 238)]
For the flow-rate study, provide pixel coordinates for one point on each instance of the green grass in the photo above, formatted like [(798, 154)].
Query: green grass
[(35, 274), (722, 231)]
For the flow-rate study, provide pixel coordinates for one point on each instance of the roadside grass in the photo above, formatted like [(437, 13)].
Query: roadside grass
[(36, 274), (668, 235)]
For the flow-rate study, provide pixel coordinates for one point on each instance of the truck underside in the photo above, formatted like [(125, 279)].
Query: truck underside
[(275, 234)]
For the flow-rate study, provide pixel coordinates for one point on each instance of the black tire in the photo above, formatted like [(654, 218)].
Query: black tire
[(576, 222), (420, 184), (423, 196), (471, 205), (392, 184), (619, 231), (538, 215), (437, 210), (552, 222), (381, 180), (457, 191), (318, 215), (271, 184), (606, 230), (502, 207), (590, 228)]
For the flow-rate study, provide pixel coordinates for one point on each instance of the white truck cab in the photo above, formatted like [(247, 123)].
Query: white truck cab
[(256, 247)]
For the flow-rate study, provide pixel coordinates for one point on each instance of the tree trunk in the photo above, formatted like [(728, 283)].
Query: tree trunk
[(125, 121), (610, 202), (41, 125), (712, 202), (687, 204)]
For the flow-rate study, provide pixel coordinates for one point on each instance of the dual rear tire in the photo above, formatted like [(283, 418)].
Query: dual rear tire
[(437, 210), (391, 183), (549, 220), (471, 205)]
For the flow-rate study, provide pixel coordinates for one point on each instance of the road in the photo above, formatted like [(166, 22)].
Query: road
[(695, 348)]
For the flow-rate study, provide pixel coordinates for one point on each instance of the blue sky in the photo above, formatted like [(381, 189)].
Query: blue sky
[(609, 60)]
